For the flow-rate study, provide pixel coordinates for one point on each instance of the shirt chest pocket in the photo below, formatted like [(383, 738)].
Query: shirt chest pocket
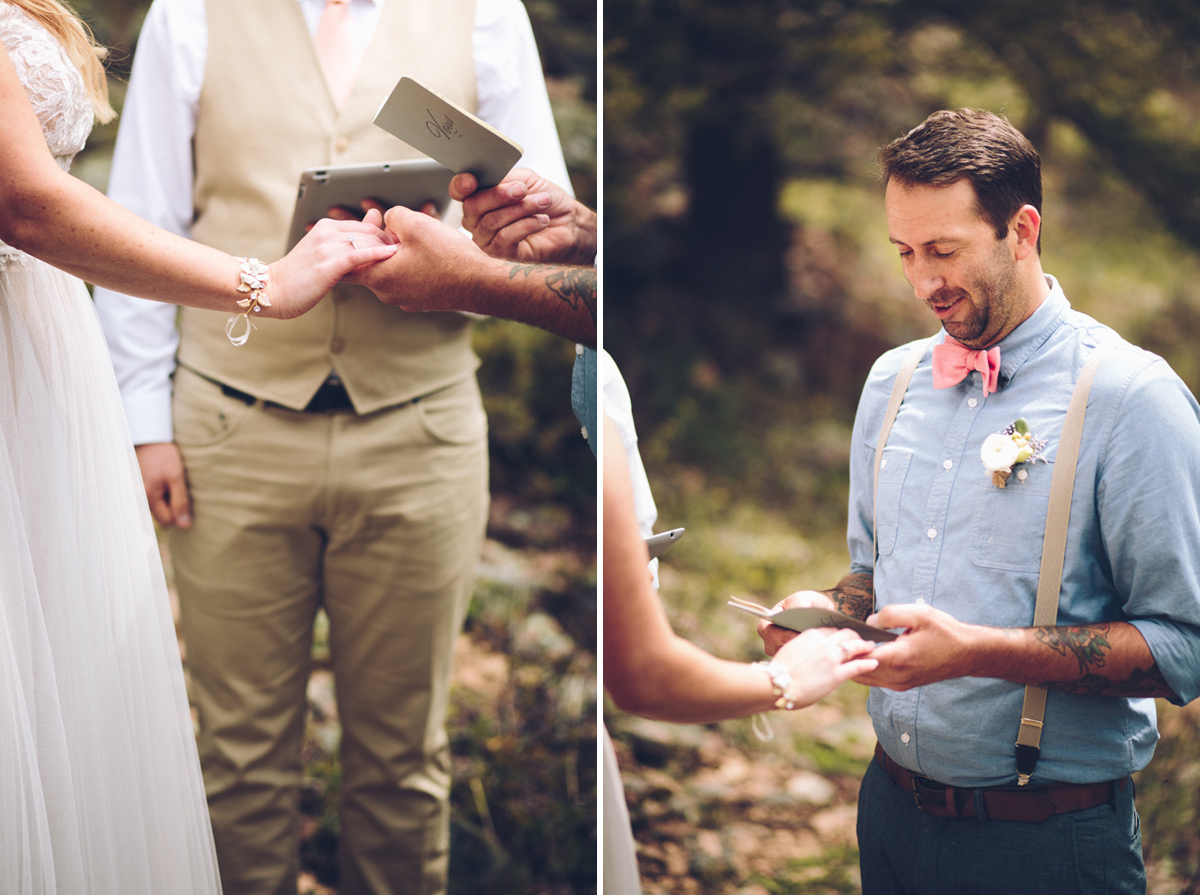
[(1008, 524), (893, 469)]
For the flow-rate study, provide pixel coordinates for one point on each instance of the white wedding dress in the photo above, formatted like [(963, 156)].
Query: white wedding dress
[(100, 789)]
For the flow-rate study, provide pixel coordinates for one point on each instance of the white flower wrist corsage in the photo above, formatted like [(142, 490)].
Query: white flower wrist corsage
[(255, 276), (1004, 450), (781, 682)]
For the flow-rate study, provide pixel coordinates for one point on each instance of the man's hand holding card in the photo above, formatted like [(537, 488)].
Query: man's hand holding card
[(527, 218)]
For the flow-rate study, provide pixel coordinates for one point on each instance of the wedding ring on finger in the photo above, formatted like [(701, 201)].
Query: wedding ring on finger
[(847, 652), (350, 239)]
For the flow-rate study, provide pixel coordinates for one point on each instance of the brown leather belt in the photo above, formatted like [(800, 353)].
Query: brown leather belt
[(1023, 803)]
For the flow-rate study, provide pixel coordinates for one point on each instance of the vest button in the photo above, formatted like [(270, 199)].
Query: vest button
[(342, 144), (337, 346)]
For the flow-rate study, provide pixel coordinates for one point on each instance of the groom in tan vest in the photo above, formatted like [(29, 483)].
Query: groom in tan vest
[(338, 460)]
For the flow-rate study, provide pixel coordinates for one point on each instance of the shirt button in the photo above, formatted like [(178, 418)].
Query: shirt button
[(1022, 474), (932, 533), (337, 346), (921, 600), (883, 464), (342, 144), (946, 464), (578, 350), (972, 402), (904, 738)]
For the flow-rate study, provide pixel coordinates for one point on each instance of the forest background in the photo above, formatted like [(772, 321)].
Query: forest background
[(748, 286), (523, 706)]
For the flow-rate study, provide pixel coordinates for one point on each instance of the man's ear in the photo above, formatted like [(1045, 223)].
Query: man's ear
[(1027, 225)]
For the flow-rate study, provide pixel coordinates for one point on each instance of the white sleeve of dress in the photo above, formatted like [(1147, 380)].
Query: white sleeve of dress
[(512, 89), (152, 176)]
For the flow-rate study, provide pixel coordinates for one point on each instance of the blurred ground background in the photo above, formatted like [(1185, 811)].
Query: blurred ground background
[(749, 284), (522, 721)]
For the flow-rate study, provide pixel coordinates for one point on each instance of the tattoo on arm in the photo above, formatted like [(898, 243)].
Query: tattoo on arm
[(1090, 647), (576, 286), (854, 595)]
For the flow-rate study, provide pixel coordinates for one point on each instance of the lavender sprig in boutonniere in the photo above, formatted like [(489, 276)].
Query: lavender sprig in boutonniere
[(1004, 450)]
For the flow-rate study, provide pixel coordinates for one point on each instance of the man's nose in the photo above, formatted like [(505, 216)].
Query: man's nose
[(924, 278)]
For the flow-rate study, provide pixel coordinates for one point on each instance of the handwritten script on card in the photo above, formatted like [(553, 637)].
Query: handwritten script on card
[(445, 128), (447, 133)]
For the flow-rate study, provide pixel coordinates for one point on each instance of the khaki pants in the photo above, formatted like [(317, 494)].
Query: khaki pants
[(378, 518)]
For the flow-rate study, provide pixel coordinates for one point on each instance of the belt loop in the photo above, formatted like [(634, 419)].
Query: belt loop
[(980, 806), (951, 803)]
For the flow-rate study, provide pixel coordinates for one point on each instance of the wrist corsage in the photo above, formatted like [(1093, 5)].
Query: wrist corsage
[(1004, 450)]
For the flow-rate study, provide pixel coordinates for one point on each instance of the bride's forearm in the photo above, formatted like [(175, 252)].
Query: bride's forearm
[(66, 223), (70, 225), (59, 219), (677, 681)]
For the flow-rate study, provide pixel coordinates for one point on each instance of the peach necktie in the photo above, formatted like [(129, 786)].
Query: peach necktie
[(335, 49)]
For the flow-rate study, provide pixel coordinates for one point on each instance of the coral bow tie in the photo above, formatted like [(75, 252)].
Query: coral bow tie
[(952, 361)]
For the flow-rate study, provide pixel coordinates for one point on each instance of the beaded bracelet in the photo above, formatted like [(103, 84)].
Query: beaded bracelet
[(255, 276), (781, 682)]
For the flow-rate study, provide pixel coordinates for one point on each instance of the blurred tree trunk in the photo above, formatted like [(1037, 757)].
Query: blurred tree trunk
[(734, 238)]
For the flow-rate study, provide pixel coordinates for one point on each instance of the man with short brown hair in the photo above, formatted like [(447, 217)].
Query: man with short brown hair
[(946, 546)]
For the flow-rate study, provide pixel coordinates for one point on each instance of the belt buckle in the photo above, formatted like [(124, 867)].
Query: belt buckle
[(917, 781)]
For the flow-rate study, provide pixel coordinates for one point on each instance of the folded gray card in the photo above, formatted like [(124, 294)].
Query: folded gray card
[(805, 617), (447, 133)]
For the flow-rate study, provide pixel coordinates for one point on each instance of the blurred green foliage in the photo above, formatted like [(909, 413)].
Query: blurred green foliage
[(524, 751)]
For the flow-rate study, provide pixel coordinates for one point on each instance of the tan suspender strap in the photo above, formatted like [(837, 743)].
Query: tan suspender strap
[(903, 378), (1054, 549)]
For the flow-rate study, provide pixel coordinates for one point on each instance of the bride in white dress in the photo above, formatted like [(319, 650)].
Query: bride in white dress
[(100, 788)]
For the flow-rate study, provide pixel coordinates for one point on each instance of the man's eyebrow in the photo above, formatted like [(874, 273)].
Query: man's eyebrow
[(929, 242)]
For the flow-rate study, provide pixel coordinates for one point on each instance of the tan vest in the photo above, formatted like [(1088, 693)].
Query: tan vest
[(265, 115)]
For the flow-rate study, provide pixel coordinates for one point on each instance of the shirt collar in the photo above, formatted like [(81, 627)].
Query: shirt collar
[(1031, 333)]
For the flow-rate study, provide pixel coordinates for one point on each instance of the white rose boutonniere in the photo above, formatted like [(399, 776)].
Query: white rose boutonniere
[(1004, 450)]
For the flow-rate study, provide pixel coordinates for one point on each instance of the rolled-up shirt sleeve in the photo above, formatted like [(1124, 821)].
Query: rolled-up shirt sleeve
[(1148, 500)]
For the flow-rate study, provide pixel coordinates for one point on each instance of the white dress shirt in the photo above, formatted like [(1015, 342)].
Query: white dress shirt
[(152, 171)]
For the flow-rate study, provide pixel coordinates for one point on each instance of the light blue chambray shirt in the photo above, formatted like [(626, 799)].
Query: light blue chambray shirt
[(949, 538)]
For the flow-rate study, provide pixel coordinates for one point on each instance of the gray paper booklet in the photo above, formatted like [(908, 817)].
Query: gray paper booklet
[(447, 133), (803, 618)]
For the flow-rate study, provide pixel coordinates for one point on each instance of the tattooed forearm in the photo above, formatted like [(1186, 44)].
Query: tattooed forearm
[(1088, 645), (854, 595), (576, 286), (1139, 683), (1092, 647)]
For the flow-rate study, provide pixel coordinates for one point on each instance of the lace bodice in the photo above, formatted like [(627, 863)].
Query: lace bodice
[(52, 82)]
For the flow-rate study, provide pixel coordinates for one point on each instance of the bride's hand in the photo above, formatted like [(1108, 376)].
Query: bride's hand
[(329, 251), (822, 658)]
